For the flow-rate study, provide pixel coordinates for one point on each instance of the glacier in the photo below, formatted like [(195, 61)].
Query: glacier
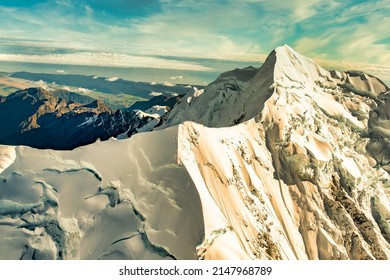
[(288, 161)]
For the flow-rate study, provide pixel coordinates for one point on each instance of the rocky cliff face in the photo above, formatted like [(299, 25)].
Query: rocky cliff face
[(292, 166)]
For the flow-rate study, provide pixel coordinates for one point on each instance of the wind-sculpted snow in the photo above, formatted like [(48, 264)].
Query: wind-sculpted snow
[(293, 166), (111, 200), (226, 101), (244, 210), (7, 156)]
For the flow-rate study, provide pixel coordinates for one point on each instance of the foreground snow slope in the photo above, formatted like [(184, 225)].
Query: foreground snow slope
[(111, 200), (283, 174)]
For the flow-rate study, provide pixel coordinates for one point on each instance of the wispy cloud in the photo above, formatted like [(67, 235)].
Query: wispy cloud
[(358, 33), (105, 59), (293, 11)]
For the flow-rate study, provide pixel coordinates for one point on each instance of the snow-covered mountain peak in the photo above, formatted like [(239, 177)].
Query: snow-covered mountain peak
[(284, 171), (239, 95), (302, 88), (293, 67)]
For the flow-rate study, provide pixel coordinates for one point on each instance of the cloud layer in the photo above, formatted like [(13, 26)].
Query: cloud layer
[(141, 32), (105, 59)]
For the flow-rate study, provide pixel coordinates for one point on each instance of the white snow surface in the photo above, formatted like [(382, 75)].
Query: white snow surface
[(157, 111), (280, 173), (7, 156), (110, 200), (89, 121)]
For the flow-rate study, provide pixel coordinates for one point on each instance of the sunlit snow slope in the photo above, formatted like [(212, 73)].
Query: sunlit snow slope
[(111, 200), (282, 172)]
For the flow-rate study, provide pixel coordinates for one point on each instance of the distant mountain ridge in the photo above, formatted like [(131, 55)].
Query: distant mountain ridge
[(106, 85), (51, 120)]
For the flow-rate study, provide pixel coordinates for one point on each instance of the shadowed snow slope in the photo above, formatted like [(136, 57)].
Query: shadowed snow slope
[(282, 172)]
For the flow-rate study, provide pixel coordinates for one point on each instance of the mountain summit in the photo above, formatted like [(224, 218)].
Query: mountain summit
[(289, 86), (287, 161), (241, 94)]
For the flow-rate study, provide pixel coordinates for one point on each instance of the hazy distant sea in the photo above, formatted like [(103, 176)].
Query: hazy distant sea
[(132, 74)]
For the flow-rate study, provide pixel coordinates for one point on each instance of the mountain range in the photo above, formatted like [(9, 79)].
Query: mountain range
[(111, 85), (285, 161), (64, 120)]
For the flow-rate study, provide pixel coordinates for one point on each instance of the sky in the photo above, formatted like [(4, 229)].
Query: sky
[(192, 34)]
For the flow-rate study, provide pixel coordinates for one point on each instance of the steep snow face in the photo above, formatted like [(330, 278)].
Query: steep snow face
[(255, 210), (315, 125), (7, 156), (247, 212), (111, 200), (225, 102)]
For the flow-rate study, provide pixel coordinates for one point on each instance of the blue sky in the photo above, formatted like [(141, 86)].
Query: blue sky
[(158, 33)]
